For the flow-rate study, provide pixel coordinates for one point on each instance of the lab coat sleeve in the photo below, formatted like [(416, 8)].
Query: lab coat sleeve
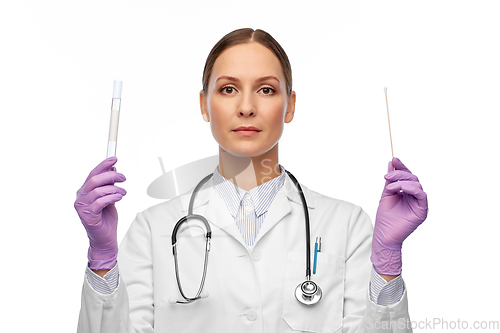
[(361, 314), (129, 308)]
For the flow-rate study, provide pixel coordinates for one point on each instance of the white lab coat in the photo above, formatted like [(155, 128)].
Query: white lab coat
[(249, 290)]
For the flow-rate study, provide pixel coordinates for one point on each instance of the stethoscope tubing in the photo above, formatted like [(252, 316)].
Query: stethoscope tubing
[(208, 236), (308, 292), (308, 228)]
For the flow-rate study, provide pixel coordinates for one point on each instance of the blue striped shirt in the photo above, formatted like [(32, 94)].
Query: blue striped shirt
[(249, 209)]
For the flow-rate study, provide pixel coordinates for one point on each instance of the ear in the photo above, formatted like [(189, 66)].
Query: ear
[(203, 106), (290, 109)]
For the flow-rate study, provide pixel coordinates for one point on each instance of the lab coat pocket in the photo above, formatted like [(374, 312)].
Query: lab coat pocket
[(200, 316), (326, 315), (203, 315)]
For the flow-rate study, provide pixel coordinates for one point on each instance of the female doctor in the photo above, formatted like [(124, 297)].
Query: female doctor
[(257, 257)]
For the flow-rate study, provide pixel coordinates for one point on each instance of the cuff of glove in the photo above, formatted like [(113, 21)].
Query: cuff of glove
[(386, 261), (102, 260)]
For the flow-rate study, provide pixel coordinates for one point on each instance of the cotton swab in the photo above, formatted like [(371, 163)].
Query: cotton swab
[(389, 120)]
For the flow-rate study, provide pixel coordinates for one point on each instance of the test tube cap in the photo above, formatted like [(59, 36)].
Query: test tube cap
[(117, 89)]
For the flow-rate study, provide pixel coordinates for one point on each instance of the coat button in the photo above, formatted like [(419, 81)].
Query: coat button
[(249, 208), (248, 196), (256, 255), (251, 315)]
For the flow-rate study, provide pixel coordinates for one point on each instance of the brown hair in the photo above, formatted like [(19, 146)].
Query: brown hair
[(246, 35)]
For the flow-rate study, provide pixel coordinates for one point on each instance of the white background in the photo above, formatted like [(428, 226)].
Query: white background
[(439, 60)]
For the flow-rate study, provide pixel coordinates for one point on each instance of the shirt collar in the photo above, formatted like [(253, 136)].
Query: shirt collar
[(262, 195)]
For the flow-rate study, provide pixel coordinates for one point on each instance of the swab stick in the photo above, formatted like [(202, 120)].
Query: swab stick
[(389, 120)]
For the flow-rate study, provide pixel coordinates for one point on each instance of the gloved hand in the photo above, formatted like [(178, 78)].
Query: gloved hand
[(402, 208), (95, 204)]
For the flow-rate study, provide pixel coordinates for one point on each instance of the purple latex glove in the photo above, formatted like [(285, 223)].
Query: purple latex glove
[(402, 208), (95, 204)]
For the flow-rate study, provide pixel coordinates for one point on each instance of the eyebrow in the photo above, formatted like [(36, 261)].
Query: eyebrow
[(231, 78)]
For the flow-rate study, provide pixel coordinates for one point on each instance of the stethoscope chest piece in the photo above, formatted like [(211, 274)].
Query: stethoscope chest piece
[(308, 293)]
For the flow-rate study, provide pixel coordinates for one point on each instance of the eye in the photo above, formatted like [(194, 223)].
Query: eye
[(268, 90), (228, 90)]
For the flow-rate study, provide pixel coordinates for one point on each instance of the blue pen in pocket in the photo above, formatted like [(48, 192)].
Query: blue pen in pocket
[(317, 248)]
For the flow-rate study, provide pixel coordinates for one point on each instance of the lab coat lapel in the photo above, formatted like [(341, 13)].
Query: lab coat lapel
[(219, 216), (216, 211), (280, 207)]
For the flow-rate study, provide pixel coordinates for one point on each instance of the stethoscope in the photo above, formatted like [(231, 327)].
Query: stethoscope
[(307, 293)]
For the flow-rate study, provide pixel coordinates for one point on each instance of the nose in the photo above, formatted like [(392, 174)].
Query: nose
[(247, 105)]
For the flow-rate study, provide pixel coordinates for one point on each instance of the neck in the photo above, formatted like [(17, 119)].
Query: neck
[(248, 172)]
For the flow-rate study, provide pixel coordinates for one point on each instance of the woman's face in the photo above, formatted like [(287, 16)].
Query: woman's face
[(247, 88)]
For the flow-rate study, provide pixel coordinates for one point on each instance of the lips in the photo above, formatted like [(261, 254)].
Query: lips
[(246, 131), (247, 128)]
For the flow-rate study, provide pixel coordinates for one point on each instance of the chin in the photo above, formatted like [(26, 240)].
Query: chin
[(250, 150)]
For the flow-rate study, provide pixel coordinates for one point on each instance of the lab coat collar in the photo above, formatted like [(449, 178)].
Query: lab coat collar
[(217, 213), (207, 192)]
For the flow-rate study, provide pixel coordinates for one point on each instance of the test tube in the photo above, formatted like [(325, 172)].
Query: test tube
[(115, 116)]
